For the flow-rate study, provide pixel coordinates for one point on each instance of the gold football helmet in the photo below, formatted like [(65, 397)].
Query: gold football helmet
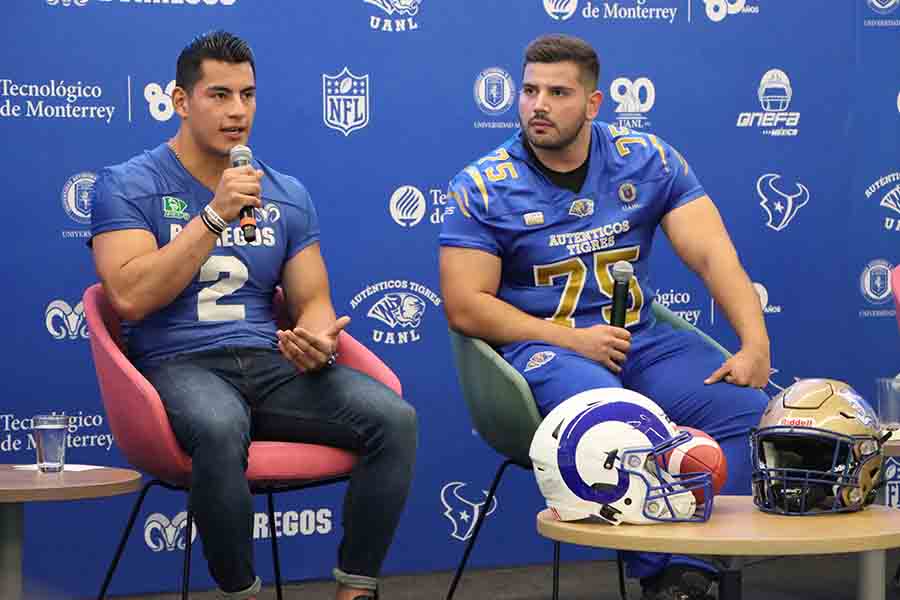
[(817, 450)]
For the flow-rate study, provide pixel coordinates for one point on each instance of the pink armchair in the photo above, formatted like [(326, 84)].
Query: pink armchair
[(141, 428)]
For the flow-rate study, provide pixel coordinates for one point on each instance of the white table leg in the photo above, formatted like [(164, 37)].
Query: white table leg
[(870, 581), (12, 517)]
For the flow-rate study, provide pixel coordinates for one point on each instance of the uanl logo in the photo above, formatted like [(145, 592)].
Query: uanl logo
[(888, 189), (162, 534), (494, 92), (462, 511), (159, 100), (763, 294), (408, 206), (561, 10), (875, 282), (681, 304), (76, 198), (64, 322), (345, 101), (400, 15), (398, 306), (717, 10), (780, 206), (635, 99), (775, 94), (883, 7), (55, 99)]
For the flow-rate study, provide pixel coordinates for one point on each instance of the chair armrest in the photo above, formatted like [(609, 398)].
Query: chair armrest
[(353, 354), (501, 403), (134, 411), (664, 315)]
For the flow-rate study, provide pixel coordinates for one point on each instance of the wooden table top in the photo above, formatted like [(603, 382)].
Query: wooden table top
[(23, 485), (738, 528)]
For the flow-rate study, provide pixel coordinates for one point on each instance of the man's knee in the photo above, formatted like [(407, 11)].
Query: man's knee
[(226, 437), (400, 421)]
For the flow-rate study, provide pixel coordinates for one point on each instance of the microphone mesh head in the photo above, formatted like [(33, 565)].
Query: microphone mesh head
[(622, 271), (241, 155)]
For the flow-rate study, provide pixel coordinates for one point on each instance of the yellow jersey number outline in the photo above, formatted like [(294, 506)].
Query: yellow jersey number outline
[(575, 272)]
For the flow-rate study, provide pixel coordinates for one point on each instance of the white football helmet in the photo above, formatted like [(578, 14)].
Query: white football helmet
[(603, 453)]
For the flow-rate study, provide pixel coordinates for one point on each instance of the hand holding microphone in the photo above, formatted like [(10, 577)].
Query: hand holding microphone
[(242, 156), (237, 194), (622, 273)]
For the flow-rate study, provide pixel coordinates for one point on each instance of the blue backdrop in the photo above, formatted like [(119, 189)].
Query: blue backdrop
[(807, 178)]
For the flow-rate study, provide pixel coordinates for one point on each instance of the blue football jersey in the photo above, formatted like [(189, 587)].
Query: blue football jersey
[(558, 247), (229, 301)]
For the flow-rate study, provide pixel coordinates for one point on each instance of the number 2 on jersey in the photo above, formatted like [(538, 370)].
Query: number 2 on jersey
[(235, 276)]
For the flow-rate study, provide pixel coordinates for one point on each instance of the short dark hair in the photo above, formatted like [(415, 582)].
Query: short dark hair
[(212, 45), (558, 47)]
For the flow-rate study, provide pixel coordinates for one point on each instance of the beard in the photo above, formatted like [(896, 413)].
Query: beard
[(565, 138)]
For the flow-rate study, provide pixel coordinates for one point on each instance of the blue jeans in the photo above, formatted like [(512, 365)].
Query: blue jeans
[(220, 400)]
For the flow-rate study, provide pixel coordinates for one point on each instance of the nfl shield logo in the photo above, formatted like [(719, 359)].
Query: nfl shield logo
[(345, 101)]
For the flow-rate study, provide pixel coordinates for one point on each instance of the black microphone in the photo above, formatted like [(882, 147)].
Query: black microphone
[(240, 156), (622, 273)]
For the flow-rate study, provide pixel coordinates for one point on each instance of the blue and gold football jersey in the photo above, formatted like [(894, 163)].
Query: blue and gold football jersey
[(558, 247), (229, 302)]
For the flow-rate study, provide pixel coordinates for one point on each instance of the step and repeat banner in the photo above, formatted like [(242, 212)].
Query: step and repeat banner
[(788, 110)]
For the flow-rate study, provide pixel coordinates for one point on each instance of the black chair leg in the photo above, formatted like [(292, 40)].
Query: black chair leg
[(115, 561), (621, 568), (186, 574), (275, 562), (555, 570), (481, 516)]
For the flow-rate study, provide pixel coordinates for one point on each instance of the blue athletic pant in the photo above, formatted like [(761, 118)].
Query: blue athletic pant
[(668, 366)]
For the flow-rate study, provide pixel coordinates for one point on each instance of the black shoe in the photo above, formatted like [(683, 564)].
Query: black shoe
[(679, 582)]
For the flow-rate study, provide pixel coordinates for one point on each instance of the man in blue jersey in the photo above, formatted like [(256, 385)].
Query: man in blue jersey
[(526, 264), (197, 300)]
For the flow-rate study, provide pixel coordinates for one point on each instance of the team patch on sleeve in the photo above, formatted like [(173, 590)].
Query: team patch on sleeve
[(539, 359)]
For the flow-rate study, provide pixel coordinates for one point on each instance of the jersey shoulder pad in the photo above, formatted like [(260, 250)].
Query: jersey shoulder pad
[(638, 152), (482, 185)]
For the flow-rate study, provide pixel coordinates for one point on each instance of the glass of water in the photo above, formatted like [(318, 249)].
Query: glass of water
[(50, 440)]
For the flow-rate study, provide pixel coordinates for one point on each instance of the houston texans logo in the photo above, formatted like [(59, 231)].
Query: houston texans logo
[(780, 207), (463, 513)]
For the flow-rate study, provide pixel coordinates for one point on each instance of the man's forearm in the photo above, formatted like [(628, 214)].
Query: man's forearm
[(315, 315), (487, 317), (151, 281), (732, 290)]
